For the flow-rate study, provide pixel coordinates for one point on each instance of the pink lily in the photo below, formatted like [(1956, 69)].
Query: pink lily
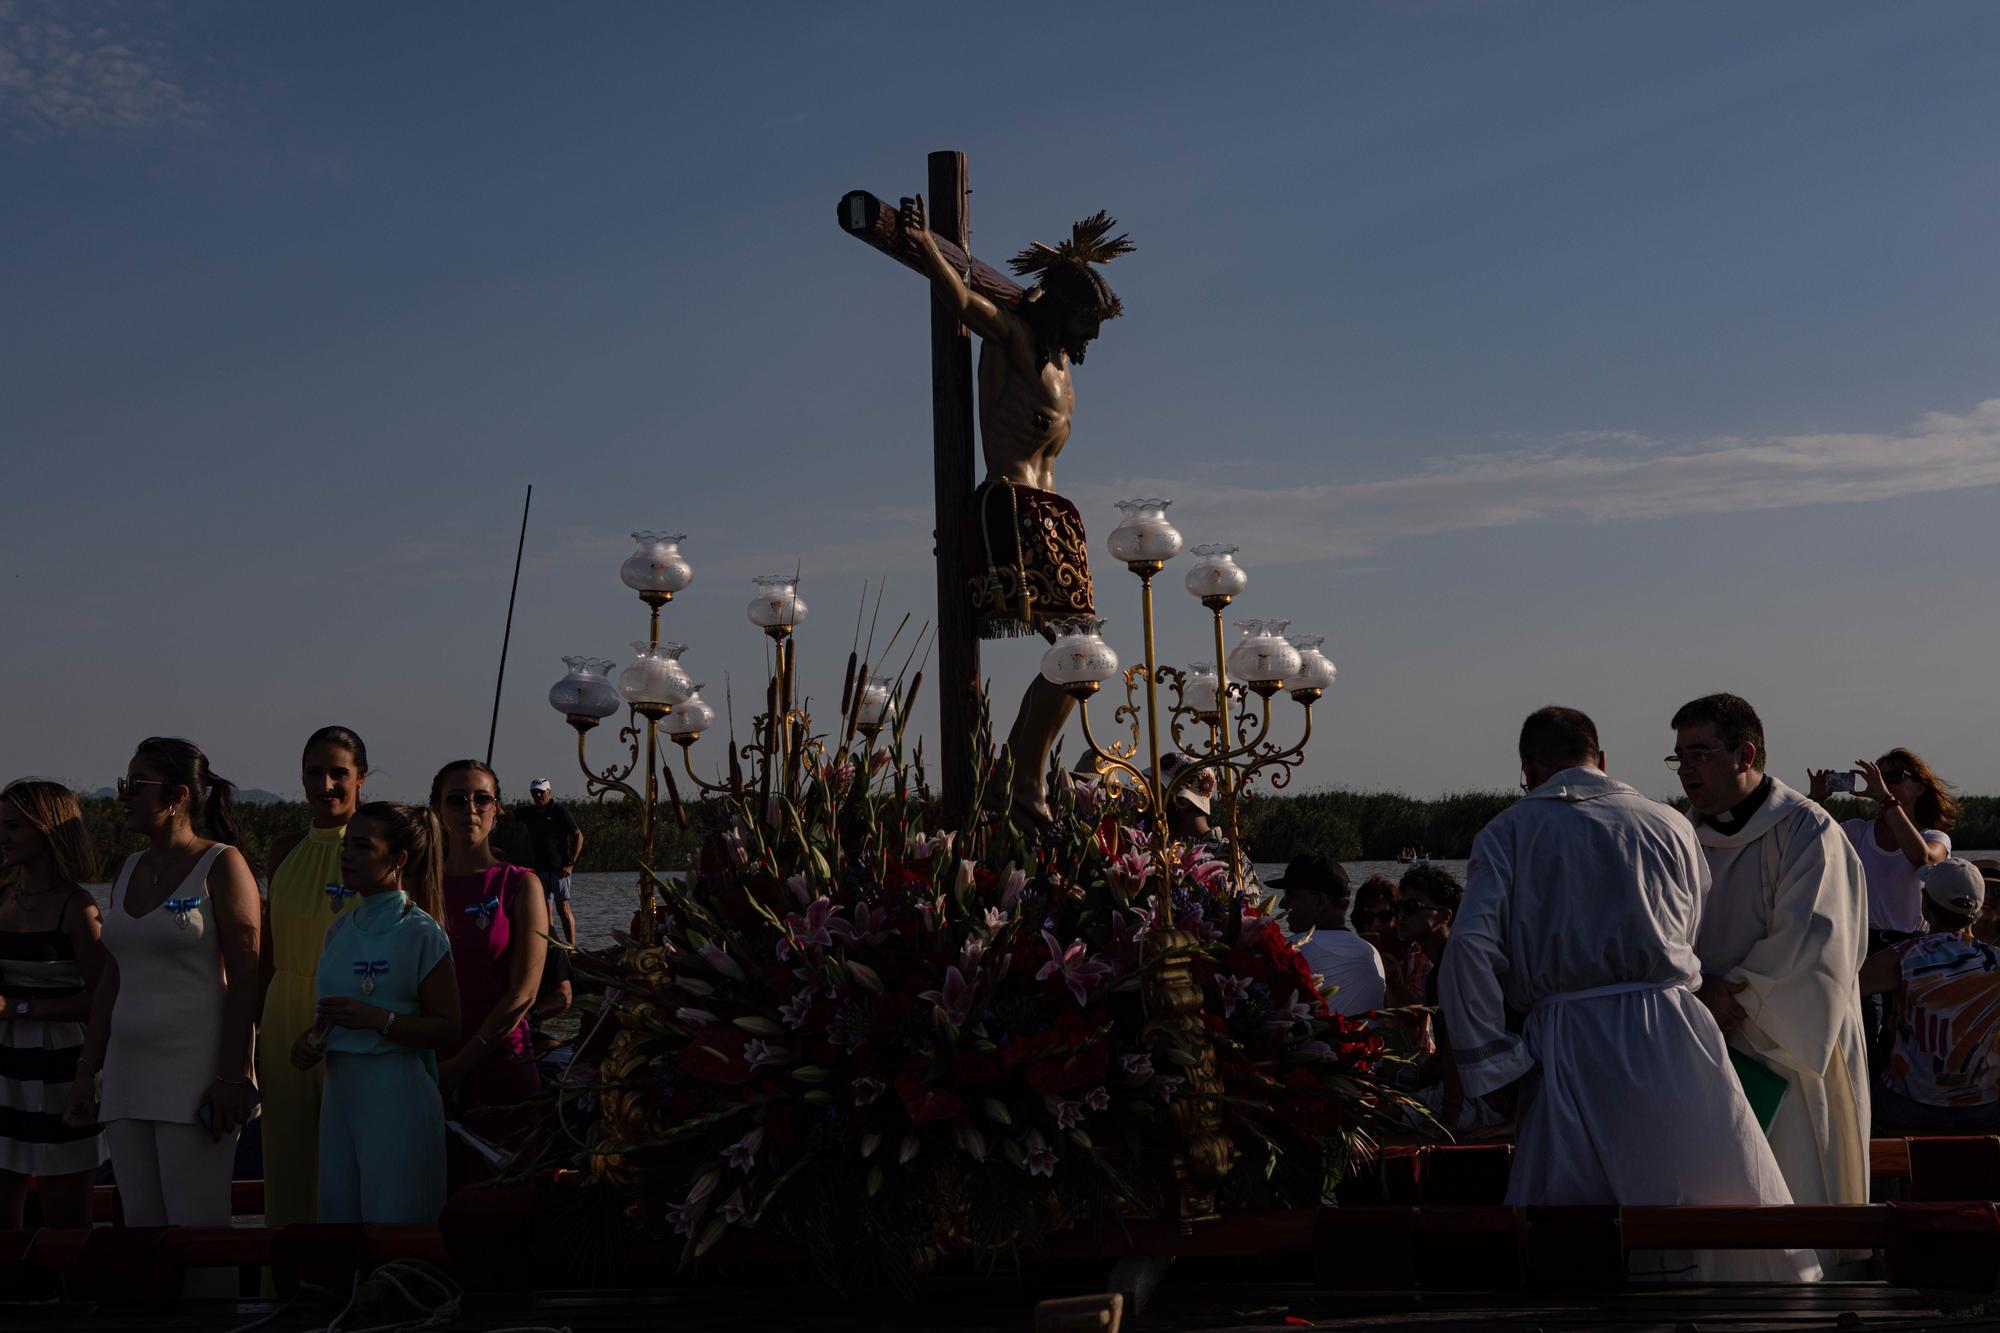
[(955, 998), (1077, 969), (1129, 874)]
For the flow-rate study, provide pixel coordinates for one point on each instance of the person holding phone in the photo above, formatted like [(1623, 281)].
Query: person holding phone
[(387, 1000), (1915, 812), (175, 1005)]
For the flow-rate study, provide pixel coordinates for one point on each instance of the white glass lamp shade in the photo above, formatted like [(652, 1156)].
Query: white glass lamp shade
[(878, 703), (1202, 692), (1215, 572), (1261, 657), (691, 716), (584, 691), (1144, 534), (656, 678), (777, 603), (1079, 656), (657, 566), (1315, 671)]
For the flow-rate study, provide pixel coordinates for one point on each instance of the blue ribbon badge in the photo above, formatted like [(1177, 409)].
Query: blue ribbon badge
[(483, 912), (182, 908), (337, 896), (369, 971)]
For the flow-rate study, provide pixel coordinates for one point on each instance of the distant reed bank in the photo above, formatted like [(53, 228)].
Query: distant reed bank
[(1346, 825)]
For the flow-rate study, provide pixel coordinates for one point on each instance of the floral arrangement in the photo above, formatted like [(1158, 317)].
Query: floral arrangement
[(884, 1040)]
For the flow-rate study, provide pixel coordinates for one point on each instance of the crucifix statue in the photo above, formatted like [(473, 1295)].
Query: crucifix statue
[(1011, 553)]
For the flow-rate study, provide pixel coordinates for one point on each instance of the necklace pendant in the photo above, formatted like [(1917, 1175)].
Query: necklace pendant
[(368, 984)]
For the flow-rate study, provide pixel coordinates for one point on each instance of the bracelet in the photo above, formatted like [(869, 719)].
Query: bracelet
[(389, 1023), (483, 1040)]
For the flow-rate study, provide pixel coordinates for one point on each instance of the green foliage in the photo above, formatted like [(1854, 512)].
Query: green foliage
[(1366, 826)]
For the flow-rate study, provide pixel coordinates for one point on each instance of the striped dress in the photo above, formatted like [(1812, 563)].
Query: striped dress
[(38, 1060)]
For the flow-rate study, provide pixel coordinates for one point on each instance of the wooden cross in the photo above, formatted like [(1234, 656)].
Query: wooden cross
[(868, 219)]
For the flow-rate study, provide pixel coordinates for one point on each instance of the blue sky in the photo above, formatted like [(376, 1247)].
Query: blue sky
[(1597, 353)]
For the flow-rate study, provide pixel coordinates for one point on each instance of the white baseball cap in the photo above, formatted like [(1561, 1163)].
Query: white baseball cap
[(1955, 884), (539, 784), (1198, 791)]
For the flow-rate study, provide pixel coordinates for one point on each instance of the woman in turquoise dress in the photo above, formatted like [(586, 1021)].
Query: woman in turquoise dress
[(387, 1000)]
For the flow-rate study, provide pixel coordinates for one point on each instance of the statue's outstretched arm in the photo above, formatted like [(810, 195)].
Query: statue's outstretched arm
[(974, 311)]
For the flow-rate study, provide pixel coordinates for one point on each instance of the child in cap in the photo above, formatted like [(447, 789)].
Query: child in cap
[(1943, 1075)]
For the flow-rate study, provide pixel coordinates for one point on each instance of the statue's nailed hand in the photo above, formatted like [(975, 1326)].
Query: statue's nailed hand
[(910, 221)]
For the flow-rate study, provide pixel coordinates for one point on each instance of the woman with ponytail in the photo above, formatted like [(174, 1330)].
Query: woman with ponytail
[(307, 893), (171, 1020), (387, 1002), (499, 926)]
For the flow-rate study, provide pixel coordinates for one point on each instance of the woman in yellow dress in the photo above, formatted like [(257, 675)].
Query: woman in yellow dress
[(304, 898)]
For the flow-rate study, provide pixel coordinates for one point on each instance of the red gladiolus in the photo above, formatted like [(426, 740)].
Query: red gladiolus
[(781, 1123), (715, 1055), (1074, 1070), (975, 1067), (924, 1102)]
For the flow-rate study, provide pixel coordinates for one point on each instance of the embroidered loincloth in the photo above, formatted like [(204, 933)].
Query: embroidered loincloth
[(1029, 561)]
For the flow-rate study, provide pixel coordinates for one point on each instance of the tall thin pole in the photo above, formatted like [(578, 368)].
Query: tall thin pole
[(952, 464), (507, 636)]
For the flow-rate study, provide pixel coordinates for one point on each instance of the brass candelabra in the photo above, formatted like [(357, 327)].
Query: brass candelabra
[(1220, 719)]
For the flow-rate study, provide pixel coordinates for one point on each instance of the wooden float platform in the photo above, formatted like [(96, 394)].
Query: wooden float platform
[(1182, 1307)]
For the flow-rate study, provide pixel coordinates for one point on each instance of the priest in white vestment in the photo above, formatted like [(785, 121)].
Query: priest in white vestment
[(1781, 943), (1580, 910)]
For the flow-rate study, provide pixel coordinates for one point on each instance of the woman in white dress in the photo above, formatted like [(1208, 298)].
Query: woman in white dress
[(171, 1027)]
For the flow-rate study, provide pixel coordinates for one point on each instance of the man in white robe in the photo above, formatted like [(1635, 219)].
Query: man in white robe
[(1580, 909), (1781, 943)]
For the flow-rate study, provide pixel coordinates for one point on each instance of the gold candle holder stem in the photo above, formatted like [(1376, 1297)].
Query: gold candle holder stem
[(1152, 697)]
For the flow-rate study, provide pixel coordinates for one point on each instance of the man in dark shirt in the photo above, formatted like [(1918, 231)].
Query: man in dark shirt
[(554, 843)]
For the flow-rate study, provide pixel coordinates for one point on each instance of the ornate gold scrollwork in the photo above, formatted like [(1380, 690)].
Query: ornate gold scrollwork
[(1206, 1154)]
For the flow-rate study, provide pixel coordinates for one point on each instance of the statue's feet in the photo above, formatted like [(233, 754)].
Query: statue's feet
[(1031, 811)]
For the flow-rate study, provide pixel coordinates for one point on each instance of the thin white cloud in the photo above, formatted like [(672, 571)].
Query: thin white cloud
[(1591, 477), (58, 80)]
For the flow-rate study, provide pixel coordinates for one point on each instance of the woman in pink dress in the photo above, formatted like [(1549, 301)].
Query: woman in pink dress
[(498, 922)]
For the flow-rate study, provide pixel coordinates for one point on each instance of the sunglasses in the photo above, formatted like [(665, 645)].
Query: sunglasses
[(479, 800), (1375, 917), (129, 786), (1893, 775), (1411, 908)]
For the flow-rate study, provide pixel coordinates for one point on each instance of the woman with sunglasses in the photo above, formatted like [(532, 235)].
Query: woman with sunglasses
[(307, 894), (171, 1022), (1915, 812), (498, 922)]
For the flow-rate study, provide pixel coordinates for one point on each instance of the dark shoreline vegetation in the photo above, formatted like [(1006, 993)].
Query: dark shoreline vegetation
[(1346, 825)]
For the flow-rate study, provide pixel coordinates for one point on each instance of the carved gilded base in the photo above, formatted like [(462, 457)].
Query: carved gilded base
[(1206, 1155)]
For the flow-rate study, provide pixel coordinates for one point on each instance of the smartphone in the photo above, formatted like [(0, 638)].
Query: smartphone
[(1848, 781)]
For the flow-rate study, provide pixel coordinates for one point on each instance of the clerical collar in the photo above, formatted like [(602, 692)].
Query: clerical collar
[(1739, 814)]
